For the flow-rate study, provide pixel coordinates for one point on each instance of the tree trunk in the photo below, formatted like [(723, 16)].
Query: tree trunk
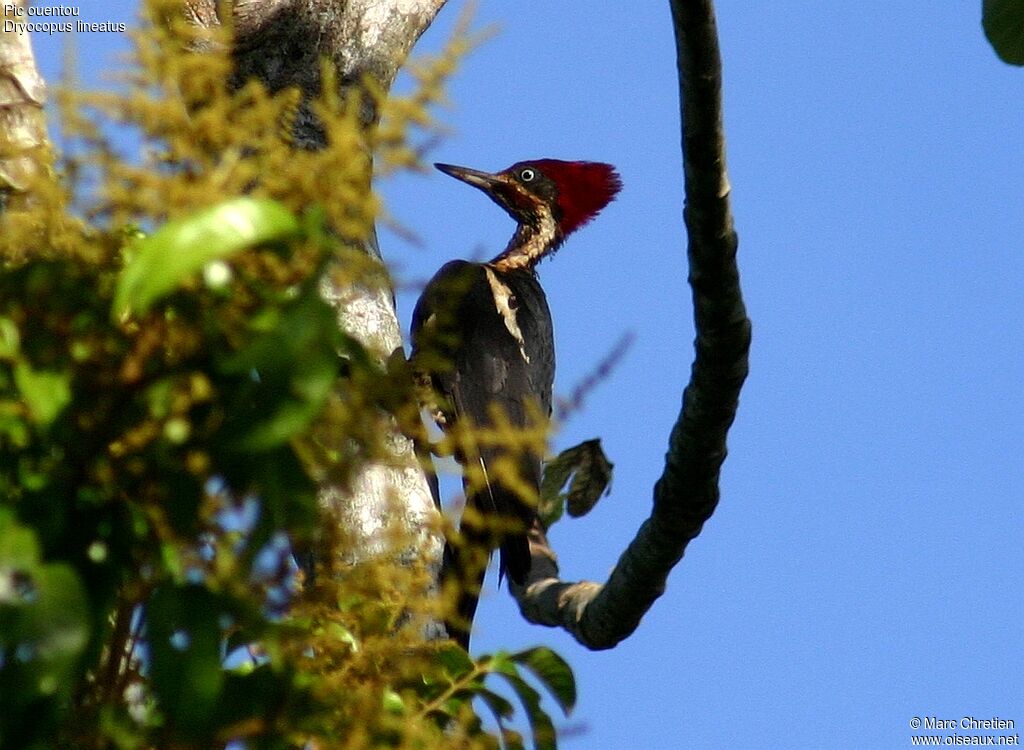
[(24, 149), (281, 43)]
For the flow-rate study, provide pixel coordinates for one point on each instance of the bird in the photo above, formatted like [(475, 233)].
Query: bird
[(483, 340)]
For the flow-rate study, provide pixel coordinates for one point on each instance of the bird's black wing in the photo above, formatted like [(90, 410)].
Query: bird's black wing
[(485, 338)]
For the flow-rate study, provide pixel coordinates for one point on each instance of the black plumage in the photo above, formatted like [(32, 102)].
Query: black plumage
[(483, 340), (463, 342)]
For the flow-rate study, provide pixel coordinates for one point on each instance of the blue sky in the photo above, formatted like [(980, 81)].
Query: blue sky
[(865, 564)]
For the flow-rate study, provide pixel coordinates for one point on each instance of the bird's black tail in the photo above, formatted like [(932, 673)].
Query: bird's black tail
[(465, 566), (513, 514), (466, 579)]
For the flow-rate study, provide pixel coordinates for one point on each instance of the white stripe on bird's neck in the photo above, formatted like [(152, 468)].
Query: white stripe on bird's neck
[(503, 297), (530, 243)]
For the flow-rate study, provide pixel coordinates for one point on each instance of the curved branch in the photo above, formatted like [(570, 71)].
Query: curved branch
[(601, 615)]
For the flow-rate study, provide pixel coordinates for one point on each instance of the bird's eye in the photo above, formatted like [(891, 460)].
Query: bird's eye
[(527, 175)]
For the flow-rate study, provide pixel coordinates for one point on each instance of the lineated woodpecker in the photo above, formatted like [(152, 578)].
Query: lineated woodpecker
[(482, 336)]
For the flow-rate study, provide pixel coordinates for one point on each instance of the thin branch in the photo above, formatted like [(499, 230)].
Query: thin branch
[(601, 615), (566, 407)]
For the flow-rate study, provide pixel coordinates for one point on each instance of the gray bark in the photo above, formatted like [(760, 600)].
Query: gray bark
[(599, 615), (281, 43), (22, 120)]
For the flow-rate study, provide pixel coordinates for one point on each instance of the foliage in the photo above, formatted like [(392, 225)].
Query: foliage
[(1003, 22), (172, 388), (587, 471)]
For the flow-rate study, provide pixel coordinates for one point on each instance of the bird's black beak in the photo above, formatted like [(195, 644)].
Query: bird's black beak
[(482, 180)]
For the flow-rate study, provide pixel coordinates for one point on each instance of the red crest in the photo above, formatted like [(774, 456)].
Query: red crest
[(584, 188)]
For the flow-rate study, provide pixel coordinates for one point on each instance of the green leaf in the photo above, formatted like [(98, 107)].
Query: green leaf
[(393, 702), (587, 471), (511, 739), (287, 494), (1003, 22), (541, 726), (184, 645), (264, 693), (503, 711), (553, 672), (9, 339), (182, 247), (287, 372), (44, 622), (18, 545), (456, 662), (45, 392), (551, 506)]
